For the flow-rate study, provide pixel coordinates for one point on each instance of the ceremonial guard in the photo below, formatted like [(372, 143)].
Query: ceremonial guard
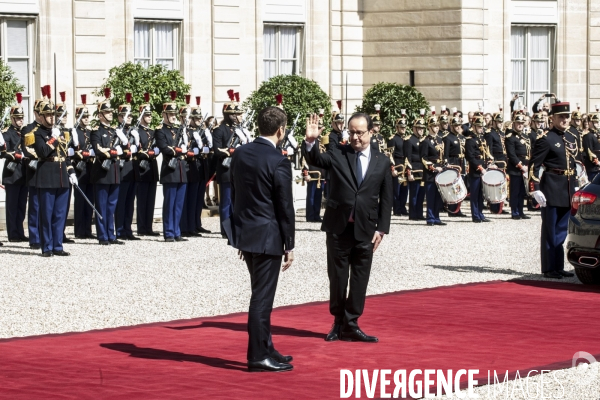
[(396, 144), (61, 116), (127, 187), (591, 147), (314, 188), (431, 151), (454, 153), (576, 129), (107, 146), (478, 158), (556, 151), (190, 205), (414, 170), (13, 175), (83, 162), (338, 132), (54, 173), (377, 141), (518, 148), (145, 168), (172, 143), (494, 139)]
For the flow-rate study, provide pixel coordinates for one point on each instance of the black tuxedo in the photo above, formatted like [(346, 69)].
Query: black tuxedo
[(262, 227), (349, 243)]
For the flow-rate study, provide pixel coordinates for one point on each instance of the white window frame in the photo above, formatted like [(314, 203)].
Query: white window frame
[(526, 94), (298, 69), (152, 35), (30, 58)]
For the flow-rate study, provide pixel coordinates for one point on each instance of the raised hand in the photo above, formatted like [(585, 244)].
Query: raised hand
[(312, 128)]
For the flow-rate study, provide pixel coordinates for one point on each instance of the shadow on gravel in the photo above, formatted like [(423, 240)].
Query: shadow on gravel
[(483, 270), (242, 327), (157, 354), (19, 253)]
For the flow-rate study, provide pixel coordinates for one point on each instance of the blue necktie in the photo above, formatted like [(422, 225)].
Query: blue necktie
[(359, 173)]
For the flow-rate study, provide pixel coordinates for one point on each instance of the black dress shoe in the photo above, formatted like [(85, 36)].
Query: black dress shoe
[(131, 237), (552, 275), (460, 214), (104, 243), (24, 239), (486, 220), (35, 246), (202, 230), (153, 233), (116, 241), (80, 237), (67, 240), (180, 239), (334, 333), (566, 274), (516, 217), (525, 217), (193, 234), (2, 244), (61, 253), (122, 238), (186, 234), (440, 223), (16, 240), (430, 224), (477, 221), (47, 254), (280, 358), (356, 335), (169, 239), (268, 365)]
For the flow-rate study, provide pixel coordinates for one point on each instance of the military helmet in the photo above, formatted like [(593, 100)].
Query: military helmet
[(498, 117), (595, 117), (376, 119), (82, 108), (444, 118), (456, 121), (126, 107), (104, 106), (402, 122), (233, 106), (433, 121), (519, 118), (145, 108), (337, 117), (419, 123), (46, 107), (17, 110), (478, 121), (576, 114), (538, 117), (170, 107)]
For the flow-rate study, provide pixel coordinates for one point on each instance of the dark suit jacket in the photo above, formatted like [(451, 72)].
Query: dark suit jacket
[(263, 219), (372, 202)]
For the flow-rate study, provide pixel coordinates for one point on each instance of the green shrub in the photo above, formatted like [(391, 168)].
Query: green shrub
[(9, 86)]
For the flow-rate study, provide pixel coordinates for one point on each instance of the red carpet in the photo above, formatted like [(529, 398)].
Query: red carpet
[(500, 326)]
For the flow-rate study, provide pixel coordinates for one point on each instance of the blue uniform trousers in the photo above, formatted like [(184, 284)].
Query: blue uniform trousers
[(434, 202), (15, 207), (517, 195), (33, 216), (174, 198), (400, 197), (107, 197), (225, 207), (82, 211), (190, 205), (53, 214), (555, 223), (146, 200), (476, 198), (314, 196), (415, 200), (125, 209)]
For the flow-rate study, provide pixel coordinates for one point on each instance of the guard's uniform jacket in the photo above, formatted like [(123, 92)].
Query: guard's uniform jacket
[(591, 151), (397, 143), (518, 149), (145, 152), (474, 154), (556, 151), (54, 165), (335, 138), (453, 150), (105, 143), (221, 138), (126, 160), (431, 151), (12, 153), (495, 144), (412, 155), (167, 140), (578, 134), (81, 160), (377, 142), (27, 142)]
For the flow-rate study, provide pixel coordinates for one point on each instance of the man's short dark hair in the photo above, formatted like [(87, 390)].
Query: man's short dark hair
[(270, 120), (362, 115)]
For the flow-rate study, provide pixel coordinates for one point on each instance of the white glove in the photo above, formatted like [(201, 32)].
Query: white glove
[(2, 142), (75, 137), (122, 136), (540, 198), (307, 178), (136, 136), (92, 153), (70, 152), (55, 133), (184, 148), (133, 149), (185, 135), (524, 169), (345, 134), (205, 150), (156, 151), (411, 178), (438, 169), (208, 137), (197, 138), (293, 141), (290, 151), (73, 179), (196, 151), (241, 135), (119, 150)]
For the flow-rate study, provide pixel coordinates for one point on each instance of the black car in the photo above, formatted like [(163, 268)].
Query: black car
[(583, 241)]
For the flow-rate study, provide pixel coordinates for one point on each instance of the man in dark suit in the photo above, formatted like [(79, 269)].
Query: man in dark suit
[(357, 216), (262, 229)]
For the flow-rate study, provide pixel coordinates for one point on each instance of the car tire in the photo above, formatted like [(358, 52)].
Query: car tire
[(588, 276)]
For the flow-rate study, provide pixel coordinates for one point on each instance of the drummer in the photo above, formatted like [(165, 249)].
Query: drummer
[(495, 143), (591, 147), (454, 152), (478, 158), (518, 148), (397, 144), (431, 151)]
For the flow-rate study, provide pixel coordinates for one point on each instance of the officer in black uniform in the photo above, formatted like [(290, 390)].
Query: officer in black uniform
[(172, 143), (13, 175), (591, 147), (557, 151), (190, 204), (54, 174), (518, 149), (82, 162), (396, 143), (314, 191), (454, 153), (61, 116), (202, 139), (414, 170), (494, 139), (107, 146), (478, 158), (576, 129), (431, 151), (377, 140), (145, 168)]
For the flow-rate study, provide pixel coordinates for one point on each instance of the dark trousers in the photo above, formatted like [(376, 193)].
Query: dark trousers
[(476, 198), (15, 207), (107, 197), (225, 207), (517, 195), (415, 200), (174, 197), (347, 256), (68, 209), (434, 202), (264, 273), (146, 200), (33, 216), (200, 203), (454, 208), (497, 208), (188, 214), (53, 213), (400, 197), (592, 175), (555, 223), (125, 209), (314, 196), (83, 212)]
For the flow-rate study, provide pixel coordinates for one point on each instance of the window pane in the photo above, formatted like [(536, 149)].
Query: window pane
[(25, 104), (287, 68), (167, 63), (164, 41), (287, 43), (540, 37), (16, 38), (518, 76), (270, 70), (517, 42), (269, 39), (21, 70), (144, 63), (141, 40)]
